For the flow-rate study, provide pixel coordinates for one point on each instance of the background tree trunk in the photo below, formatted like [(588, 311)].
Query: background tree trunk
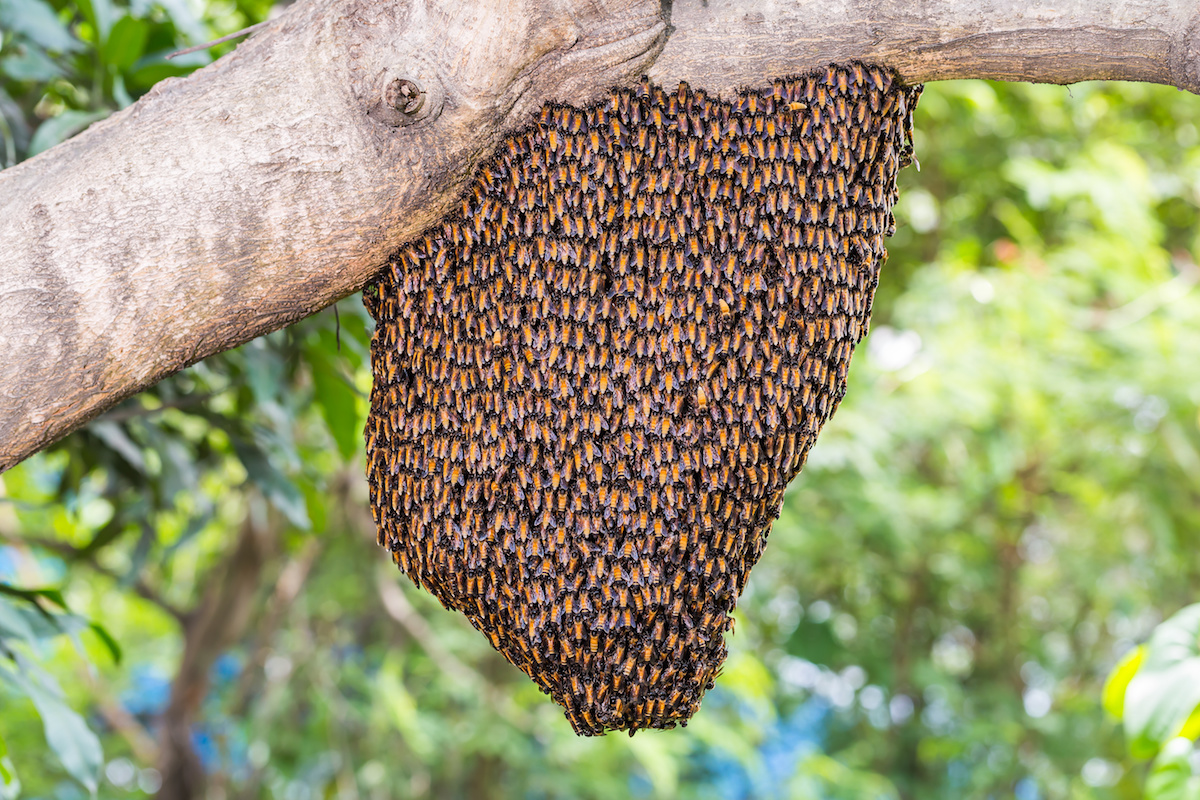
[(262, 188), (216, 623)]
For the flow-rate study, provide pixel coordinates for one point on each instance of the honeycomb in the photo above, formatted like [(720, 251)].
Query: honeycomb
[(593, 383)]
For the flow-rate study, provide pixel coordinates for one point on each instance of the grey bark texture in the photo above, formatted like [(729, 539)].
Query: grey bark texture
[(257, 191)]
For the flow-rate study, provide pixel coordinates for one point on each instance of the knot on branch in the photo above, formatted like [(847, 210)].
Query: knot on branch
[(399, 99)]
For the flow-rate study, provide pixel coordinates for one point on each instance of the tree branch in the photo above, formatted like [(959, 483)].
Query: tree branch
[(275, 181), (723, 44)]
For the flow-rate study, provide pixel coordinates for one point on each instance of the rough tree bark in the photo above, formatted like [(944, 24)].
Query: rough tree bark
[(275, 181)]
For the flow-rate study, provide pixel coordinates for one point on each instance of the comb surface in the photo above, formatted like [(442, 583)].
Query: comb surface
[(594, 383)]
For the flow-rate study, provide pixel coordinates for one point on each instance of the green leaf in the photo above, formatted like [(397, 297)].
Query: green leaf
[(115, 437), (195, 525), (13, 624), (120, 93), (48, 626), (1118, 681), (33, 595), (184, 19), (10, 785), (53, 595), (126, 42), (34, 622), (100, 14), (264, 371), (1171, 776), (114, 649), (111, 530), (1166, 689), (30, 65), (75, 745), (152, 68), (337, 400), (62, 127), (275, 486), (1191, 727), (37, 21), (13, 127)]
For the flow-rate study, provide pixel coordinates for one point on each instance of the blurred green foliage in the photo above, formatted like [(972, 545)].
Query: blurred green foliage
[(1006, 506), (1155, 692), (29, 617), (65, 65)]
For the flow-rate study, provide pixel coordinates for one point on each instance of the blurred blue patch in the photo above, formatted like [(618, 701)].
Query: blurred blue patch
[(959, 774), (226, 668), (67, 790), (206, 748), (8, 564), (1027, 789), (792, 739), (149, 692), (786, 742), (640, 785), (221, 746), (729, 777), (45, 478), (352, 653), (51, 570)]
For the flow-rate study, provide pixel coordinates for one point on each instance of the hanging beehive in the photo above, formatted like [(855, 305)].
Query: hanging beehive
[(594, 383)]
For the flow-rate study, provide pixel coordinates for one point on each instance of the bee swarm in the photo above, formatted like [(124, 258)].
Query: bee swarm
[(593, 385)]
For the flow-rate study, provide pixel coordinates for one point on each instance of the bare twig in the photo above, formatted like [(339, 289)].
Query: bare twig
[(222, 40)]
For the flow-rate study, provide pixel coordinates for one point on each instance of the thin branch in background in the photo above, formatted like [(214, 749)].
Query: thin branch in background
[(215, 42), (144, 748), (398, 608), (287, 588), (77, 556), (10, 145), (1160, 296), (125, 413)]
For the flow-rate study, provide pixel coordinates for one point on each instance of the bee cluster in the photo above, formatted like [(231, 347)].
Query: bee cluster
[(594, 383)]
